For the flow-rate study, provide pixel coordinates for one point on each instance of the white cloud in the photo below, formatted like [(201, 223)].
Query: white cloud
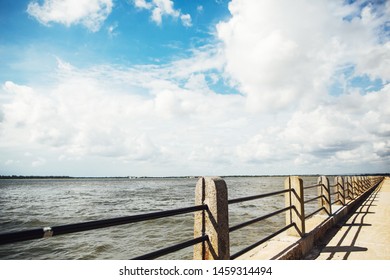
[(132, 115), (160, 8), (142, 4), (186, 20), (282, 55), (149, 117), (12, 87), (90, 13), (111, 30), (168, 119), (352, 128)]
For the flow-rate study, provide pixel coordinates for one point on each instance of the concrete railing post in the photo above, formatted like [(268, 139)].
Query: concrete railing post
[(373, 180), (367, 183), (364, 183), (324, 191), (359, 184), (340, 189), (364, 186), (295, 198), (214, 222), (355, 186), (348, 182)]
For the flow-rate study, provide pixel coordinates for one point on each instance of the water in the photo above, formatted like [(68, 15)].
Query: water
[(36, 203)]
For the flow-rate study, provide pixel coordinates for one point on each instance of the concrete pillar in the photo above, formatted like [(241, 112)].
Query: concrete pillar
[(295, 197), (360, 184), (214, 222), (355, 186), (363, 183), (324, 191), (340, 190), (367, 183), (372, 180), (349, 188)]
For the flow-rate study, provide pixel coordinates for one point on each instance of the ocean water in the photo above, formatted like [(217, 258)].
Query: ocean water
[(36, 203)]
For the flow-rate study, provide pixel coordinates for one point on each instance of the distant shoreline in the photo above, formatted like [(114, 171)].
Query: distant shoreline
[(171, 177)]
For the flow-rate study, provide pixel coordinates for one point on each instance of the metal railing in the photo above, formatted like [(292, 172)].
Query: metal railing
[(323, 196), (259, 219), (211, 229), (12, 237), (316, 198)]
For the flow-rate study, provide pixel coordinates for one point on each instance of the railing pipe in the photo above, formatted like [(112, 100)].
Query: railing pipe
[(313, 199), (172, 249), (311, 186), (315, 212), (11, 237), (248, 198), (254, 245), (244, 224)]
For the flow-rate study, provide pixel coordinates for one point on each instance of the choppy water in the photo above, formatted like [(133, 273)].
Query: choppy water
[(36, 203)]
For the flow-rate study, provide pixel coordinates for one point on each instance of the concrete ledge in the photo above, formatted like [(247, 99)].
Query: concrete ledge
[(303, 246)]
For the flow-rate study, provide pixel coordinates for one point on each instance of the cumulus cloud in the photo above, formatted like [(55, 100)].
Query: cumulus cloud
[(146, 115), (90, 13), (281, 55), (169, 119), (160, 8), (132, 115)]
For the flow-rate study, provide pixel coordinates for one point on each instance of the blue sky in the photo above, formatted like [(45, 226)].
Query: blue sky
[(207, 87), (127, 36)]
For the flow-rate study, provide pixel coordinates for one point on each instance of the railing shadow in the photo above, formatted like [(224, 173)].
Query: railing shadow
[(352, 229)]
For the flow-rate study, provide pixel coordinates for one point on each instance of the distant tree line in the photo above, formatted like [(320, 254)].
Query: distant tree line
[(166, 177), (32, 177)]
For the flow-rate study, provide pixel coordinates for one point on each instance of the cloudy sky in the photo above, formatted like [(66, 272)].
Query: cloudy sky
[(201, 87)]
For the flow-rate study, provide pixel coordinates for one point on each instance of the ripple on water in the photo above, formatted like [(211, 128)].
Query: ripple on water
[(36, 203)]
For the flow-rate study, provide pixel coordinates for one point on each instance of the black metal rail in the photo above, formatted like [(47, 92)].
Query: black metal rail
[(244, 224), (313, 199), (248, 198), (315, 212), (172, 249), (250, 222), (254, 245), (312, 186), (11, 237)]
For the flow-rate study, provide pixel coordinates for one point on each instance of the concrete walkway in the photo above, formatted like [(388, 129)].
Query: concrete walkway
[(365, 235)]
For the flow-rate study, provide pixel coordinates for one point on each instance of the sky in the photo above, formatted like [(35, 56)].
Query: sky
[(194, 88)]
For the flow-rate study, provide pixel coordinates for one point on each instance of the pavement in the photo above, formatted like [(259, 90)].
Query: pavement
[(365, 235)]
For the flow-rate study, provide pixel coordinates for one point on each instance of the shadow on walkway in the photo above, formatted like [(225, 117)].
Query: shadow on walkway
[(345, 236)]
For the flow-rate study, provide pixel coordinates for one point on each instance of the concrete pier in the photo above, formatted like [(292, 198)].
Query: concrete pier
[(358, 230), (365, 235)]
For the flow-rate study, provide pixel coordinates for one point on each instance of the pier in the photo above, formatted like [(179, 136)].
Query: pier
[(365, 235), (305, 233), (357, 230), (339, 217)]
